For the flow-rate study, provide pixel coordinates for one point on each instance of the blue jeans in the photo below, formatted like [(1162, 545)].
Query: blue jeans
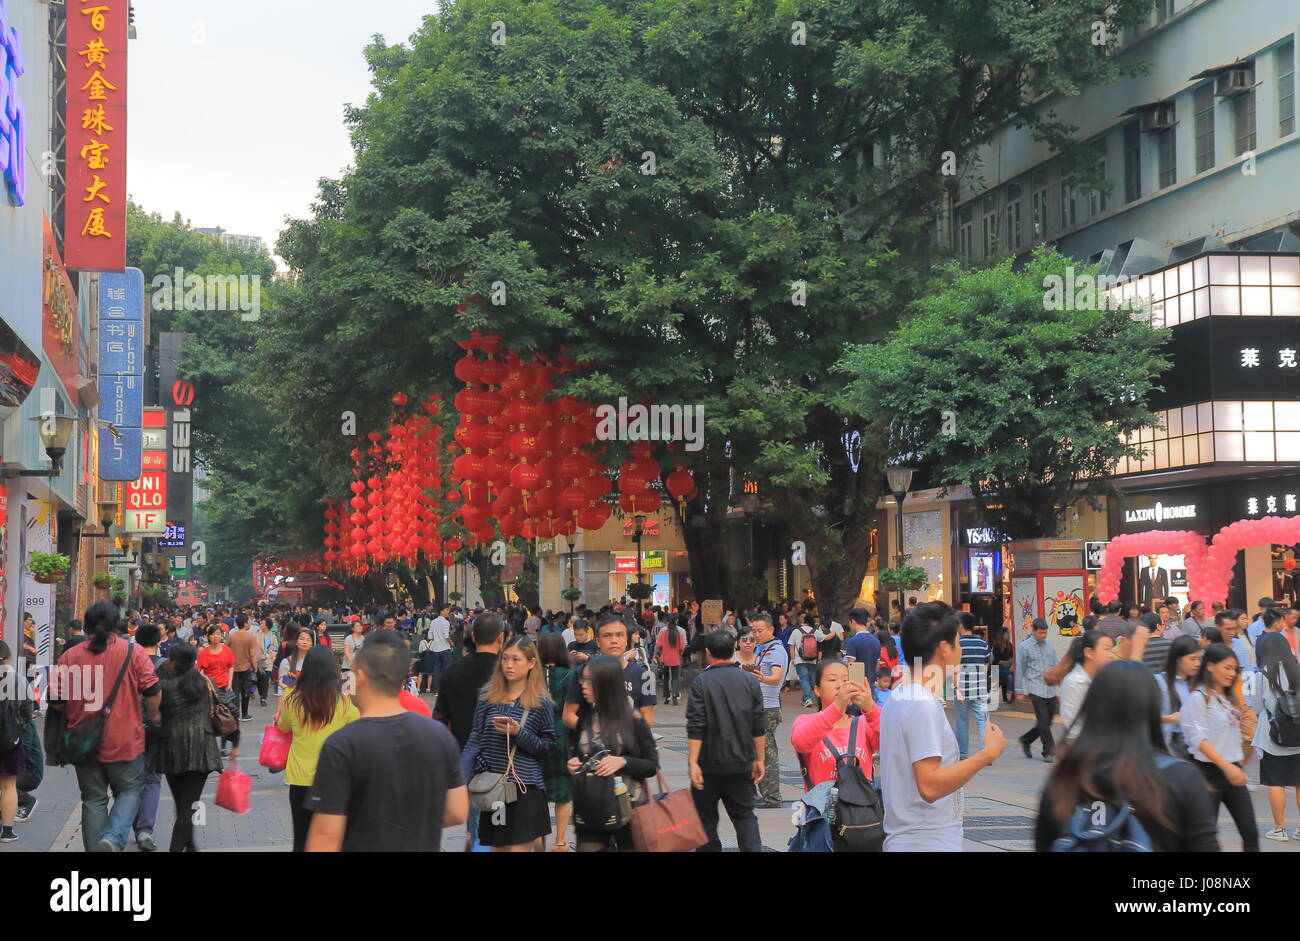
[(126, 778), (147, 815), (963, 709), (807, 676)]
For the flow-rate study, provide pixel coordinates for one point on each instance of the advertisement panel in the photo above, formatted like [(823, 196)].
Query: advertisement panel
[(60, 331), (177, 396), (1025, 603), (38, 599), (95, 224)]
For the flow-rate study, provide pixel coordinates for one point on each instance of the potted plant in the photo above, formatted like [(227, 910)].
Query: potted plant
[(639, 591), (119, 598), (49, 568), (103, 581), (571, 594), (455, 596), (904, 578)]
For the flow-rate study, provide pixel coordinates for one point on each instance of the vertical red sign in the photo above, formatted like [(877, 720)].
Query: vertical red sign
[(94, 225)]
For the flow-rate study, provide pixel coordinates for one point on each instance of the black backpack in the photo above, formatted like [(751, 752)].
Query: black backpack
[(11, 725), (859, 813), (1284, 719)]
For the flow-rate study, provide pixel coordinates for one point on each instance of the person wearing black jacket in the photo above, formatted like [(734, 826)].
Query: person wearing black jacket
[(612, 729), (726, 728), (1120, 760), (458, 692)]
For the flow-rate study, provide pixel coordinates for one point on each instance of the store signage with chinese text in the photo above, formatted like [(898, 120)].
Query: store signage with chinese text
[(13, 117), (121, 366), (60, 335), (95, 214)]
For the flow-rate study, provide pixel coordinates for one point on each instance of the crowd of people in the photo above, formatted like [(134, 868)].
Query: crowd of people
[(405, 720)]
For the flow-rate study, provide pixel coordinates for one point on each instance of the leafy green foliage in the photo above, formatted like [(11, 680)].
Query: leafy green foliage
[(1041, 400)]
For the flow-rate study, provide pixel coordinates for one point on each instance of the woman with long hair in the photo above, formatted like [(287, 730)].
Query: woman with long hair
[(288, 646), (555, 776), (1119, 760), (311, 712), (184, 748), (1279, 765), (1182, 661), (1089, 652), (1212, 730), (292, 666), (513, 729), (13, 764), (616, 736), (670, 645)]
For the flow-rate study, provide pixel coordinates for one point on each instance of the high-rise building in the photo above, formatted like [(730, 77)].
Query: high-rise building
[(249, 242)]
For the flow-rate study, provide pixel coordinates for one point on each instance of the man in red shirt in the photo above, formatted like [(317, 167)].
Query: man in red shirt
[(82, 687)]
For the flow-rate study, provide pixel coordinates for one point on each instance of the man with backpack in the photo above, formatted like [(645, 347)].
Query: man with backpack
[(803, 654)]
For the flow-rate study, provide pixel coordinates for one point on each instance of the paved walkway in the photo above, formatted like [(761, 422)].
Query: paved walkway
[(1000, 804)]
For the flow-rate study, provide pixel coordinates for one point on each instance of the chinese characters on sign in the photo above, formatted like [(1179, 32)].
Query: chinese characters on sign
[(13, 120), (121, 373), (95, 220), (1254, 358), (1271, 505)]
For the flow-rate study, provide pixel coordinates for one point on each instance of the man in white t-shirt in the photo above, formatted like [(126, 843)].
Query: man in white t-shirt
[(440, 636), (922, 773)]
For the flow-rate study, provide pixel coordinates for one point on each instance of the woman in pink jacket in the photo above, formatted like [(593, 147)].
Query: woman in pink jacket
[(809, 733)]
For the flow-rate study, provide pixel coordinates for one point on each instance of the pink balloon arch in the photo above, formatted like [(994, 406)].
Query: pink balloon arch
[(1209, 568)]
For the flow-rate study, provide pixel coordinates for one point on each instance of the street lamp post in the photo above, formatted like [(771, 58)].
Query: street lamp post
[(638, 529), (900, 481)]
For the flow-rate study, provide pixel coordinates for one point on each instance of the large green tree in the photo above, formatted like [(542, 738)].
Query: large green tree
[(704, 200), (1018, 384)]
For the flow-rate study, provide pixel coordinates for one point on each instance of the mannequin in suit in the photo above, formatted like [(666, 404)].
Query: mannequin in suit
[(1153, 582)]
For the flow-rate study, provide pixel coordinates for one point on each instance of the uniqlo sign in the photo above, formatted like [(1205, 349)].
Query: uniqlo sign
[(146, 497), (94, 223)]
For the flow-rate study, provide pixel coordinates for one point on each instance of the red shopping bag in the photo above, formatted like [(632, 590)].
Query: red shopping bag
[(275, 749), (233, 789)]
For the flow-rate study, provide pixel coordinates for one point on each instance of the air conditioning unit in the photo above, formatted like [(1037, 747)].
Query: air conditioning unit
[(1233, 82), (1159, 118)]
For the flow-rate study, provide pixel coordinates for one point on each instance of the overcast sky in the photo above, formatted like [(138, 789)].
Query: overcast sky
[(236, 106)]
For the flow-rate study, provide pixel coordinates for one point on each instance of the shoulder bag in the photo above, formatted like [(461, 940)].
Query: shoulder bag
[(667, 822), (220, 717), (488, 789), (74, 745)]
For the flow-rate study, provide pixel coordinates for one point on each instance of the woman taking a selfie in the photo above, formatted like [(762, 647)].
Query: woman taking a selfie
[(619, 742), (836, 694), (513, 730)]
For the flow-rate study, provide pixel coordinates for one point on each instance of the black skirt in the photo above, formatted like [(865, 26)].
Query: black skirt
[(1279, 770), (525, 820)]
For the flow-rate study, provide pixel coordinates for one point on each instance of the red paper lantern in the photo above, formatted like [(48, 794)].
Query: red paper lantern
[(525, 476)]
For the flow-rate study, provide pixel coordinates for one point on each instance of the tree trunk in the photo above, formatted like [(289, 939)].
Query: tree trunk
[(489, 579)]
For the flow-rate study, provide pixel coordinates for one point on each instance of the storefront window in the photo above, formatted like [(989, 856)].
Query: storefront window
[(923, 543)]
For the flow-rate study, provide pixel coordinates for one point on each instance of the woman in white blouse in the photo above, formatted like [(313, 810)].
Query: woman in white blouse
[(1211, 724), (1090, 652)]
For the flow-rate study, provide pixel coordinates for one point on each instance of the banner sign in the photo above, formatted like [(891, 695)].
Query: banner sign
[(60, 331), (95, 217), (13, 117), (177, 396), (146, 497), (121, 373)]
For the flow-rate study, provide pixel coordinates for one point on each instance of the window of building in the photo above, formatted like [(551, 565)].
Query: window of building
[(1132, 162), (1243, 121), (1038, 205), (1069, 204), (1284, 68), (1013, 217), (990, 223), (1204, 111), (965, 230), (1166, 161), (1097, 199), (1164, 10)]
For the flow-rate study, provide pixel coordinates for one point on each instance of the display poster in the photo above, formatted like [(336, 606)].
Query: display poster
[(1161, 577), (711, 613), (662, 593), (982, 567), (38, 599), (1063, 596), (1024, 599)]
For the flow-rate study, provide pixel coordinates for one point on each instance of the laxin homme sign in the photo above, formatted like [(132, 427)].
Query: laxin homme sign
[(1186, 508)]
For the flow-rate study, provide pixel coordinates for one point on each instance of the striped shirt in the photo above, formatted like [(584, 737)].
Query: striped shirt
[(973, 681), (535, 739), (1033, 661)]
